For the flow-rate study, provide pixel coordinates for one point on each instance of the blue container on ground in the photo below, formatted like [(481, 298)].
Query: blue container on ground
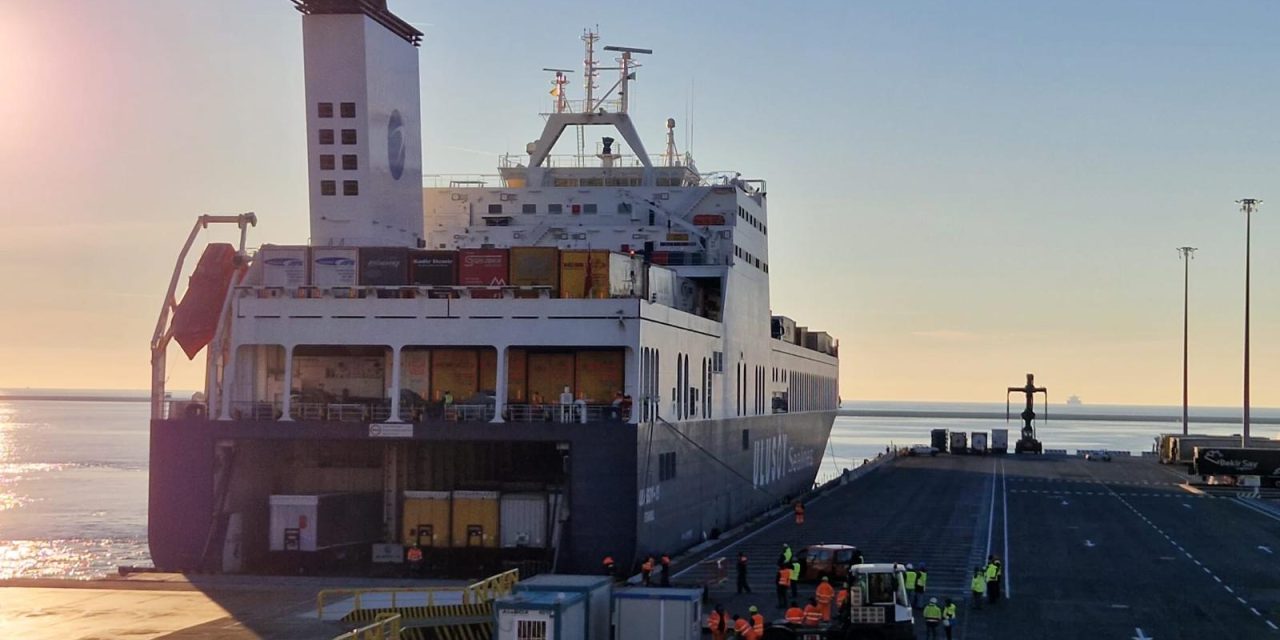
[(543, 614), (595, 589)]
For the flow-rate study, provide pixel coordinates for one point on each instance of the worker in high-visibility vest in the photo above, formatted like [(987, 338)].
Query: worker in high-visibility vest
[(978, 586), (757, 621), (795, 615), (414, 557), (812, 614), (799, 508), (909, 580), (741, 626), (824, 595), (949, 617), (608, 565), (932, 616), (784, 585), (842, 597), (993, 580), (795, 577), (922, 576), (718, 623)]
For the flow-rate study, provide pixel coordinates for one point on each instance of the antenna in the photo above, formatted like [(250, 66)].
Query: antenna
[(557, 90), (626, 74), (589, 65), (671, 142)]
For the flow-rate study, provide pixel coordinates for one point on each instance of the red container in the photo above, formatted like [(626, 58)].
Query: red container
[(483, 267)]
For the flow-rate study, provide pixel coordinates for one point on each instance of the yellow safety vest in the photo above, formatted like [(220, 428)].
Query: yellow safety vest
[(924, 576), (949, 611), (978, 584), (993, 573), (932, 613), (910, 578)]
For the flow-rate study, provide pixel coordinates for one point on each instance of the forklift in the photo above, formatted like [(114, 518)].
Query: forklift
[(1028, 443), (877, 607)]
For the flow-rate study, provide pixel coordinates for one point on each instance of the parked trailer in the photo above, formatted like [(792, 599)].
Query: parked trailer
[(978, 442), (550, 615), (324, 521), (999, 441), (1237, 462), (647, 613), (1184, 446), (938, 439), (959, 442)]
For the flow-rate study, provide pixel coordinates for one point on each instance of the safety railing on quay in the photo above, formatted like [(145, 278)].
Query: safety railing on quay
[(486, 590), (385, 627), (380, 411)]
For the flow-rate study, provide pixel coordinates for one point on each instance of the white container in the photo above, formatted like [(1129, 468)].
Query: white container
[(999, 441), (550, 615), (323, 521), (624, 271), (522, 520), (284, 266), (662, 286), (597, 590), (959, 442), (335, 267), (978, 442), (645, 613)]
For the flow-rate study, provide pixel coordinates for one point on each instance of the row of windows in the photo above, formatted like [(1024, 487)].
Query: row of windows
[(685, 396), (812, 392), (649, 362), (348, 136), (750, 259), (346, 109), (589, 208), (349, 162), (666, 466), (330, 187), (753, 221)]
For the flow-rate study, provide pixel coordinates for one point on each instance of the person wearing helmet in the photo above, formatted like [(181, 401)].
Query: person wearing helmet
[(757, 622), (932, 617), (922, 575), (909, 579)]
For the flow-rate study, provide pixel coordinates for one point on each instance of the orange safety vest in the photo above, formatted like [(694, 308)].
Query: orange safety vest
[(715, 622), (799, 509), (841, 596), (795, 615), (825, 593), (415, 554), (742, 627), (812, 614), (757, 623), (784, 576)]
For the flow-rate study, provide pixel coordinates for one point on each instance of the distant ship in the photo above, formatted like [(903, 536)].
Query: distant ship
[(572, 359), (1074, 400)]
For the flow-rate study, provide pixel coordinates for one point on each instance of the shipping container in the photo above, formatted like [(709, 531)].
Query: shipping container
[(606, 275), (999, 441), (324, 521), (959, 442), (802, 334), (548, 616), (523, 520), (475, 518), (938, 440), (384, 266), (1183, 448), (978, 442), (784, 329), (536, 267), (596, 590), (483, 267), (433, 268), (284, 266), (647, 613), (335, 267), (663, 284), (426, 518), (1236, 461)]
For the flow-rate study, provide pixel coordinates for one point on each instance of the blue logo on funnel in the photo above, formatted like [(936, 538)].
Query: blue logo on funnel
[(395, 144)]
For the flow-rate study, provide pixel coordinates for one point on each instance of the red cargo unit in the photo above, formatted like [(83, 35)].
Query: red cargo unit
[(483, 267)]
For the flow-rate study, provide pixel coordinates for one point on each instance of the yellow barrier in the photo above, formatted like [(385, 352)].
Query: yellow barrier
[(386, 627), (484, 591)]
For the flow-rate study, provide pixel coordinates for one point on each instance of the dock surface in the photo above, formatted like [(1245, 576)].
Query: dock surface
[(1091, 549)]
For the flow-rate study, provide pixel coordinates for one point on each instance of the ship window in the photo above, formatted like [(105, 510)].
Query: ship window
[(555, 208), (495, 208), (326, 136), (528, 208), (624, 207), (746, 439), (326, 161), (348, 109), (328, 188), (350, 187), (589, 208), (324, 109), (349, 162), (348, 136), (666, 466)]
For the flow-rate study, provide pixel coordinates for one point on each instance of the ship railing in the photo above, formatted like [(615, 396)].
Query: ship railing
[(565, 413), (592, 160), (460, 180), (255, 410), (380, 411), (386, 626), (399, 291), (480, 592)]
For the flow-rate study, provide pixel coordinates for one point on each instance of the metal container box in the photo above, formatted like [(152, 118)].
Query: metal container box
[(978, 442), (426, 518), (784, 329), (938, 440), (384, 266), (523, 520), (999, 441), (475, 518), (597, 590), (536, 266), (324, 521), (284, 266), (1236, 461), (644, 613), (549, 616), (606, 275), (433, 268), (663, 284), (483, 267), (959, 442), (335, 266)]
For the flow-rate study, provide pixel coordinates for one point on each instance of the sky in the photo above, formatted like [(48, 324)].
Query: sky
[(960, 192)]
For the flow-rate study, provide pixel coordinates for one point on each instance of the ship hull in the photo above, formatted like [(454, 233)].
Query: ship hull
[(629, 490)]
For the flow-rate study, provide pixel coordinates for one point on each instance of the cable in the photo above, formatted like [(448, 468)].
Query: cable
[(718, 460)]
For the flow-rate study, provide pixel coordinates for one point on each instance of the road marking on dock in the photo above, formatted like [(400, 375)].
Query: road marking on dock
[(1004, 497), (1089, 544), (1265, 548), (1272, 625), (1141, 635)]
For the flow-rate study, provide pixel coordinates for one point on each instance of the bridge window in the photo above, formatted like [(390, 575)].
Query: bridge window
[(349, 162), (326, 136), (348, 136), (326, 162), (495, 208), (348, 109), (624, 207), (528, 208), (324, 109), (555, 209), (350, 187), (328, 187)]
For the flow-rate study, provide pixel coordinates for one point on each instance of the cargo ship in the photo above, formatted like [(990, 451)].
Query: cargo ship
[(572, 359)]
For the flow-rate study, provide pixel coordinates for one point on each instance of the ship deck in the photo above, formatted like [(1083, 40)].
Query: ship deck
[(1091, 550)]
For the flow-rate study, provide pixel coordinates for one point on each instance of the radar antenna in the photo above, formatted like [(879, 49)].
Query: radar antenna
[(557, 89)]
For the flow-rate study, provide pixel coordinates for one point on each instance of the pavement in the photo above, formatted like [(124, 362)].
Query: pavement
[(1091, 549)]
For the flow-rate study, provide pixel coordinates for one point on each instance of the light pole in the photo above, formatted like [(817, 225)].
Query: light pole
[(1247, 205), (1188, 254)]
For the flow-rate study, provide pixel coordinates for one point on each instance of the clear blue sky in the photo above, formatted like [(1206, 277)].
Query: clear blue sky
[(961, 192)]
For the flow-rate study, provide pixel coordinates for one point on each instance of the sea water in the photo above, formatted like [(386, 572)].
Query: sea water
[(73, 474)]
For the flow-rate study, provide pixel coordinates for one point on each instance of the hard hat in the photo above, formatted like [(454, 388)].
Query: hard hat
[(826, 579), (909, 566), (753, 609), (933, 601)]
